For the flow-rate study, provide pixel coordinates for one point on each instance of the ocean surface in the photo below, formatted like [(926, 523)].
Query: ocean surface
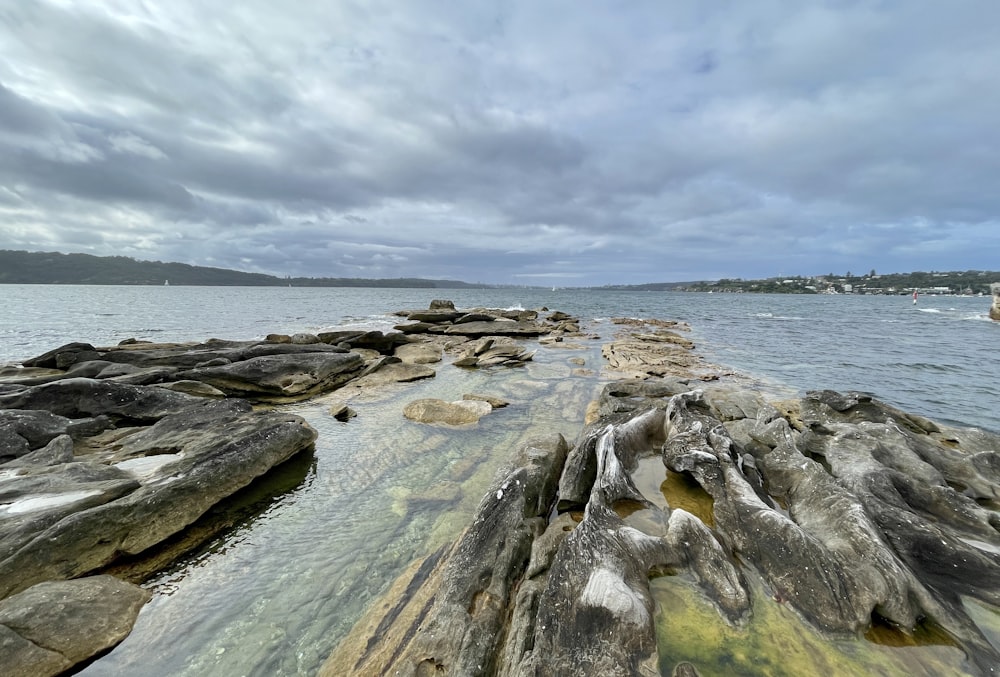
[(936, 358), (301, 555)]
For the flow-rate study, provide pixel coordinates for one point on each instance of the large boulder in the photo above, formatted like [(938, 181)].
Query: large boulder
[(53, 626)]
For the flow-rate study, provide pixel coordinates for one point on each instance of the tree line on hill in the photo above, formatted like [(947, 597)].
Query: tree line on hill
[(21, 267)]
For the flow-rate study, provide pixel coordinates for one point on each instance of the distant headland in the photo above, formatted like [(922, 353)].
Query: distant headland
[(22, 267)]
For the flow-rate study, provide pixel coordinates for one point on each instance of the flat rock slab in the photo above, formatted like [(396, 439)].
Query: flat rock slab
[(419, 353), (50, 627), (167, 461), (461, 412), (498, 328), (399, 372), (282, 376)]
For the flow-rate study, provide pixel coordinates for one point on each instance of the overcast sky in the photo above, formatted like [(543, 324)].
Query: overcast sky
[(517, 142)]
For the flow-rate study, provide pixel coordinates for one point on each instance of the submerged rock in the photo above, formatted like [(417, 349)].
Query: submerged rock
[(448, 614), (460, 412)]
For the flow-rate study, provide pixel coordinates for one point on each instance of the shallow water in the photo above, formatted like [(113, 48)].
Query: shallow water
[(280, 589), (300, 556)]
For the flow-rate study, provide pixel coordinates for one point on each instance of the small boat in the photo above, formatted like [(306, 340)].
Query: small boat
[(166, 283)]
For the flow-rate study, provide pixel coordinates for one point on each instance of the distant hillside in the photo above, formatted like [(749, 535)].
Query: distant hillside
[(21, 267)]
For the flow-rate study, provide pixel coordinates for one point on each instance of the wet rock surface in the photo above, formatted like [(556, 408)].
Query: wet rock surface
[(52, 626), (107, 452), (847, 512), (851, 513)]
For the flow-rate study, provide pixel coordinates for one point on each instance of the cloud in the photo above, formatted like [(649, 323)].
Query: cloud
[(504, 142)]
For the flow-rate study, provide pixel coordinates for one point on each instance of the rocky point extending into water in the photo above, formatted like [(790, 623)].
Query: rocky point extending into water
[(108, 452), (857, 517)]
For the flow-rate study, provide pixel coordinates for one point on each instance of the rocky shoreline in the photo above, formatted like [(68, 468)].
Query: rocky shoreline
[(850, 512)]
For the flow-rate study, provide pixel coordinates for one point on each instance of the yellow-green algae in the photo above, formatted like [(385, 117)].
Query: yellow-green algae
[(775, 642)]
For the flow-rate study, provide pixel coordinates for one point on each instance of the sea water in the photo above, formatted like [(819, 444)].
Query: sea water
[(301, 556), (936, 357)]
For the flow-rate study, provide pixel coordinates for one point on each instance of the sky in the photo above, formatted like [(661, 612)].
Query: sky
[(516, 142)]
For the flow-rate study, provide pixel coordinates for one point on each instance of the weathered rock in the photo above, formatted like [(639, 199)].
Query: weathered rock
[(196, 388), (63, 356), (848, 509), (447, 615), (419, 353), (645, 358), (59, 450), (69, 519), (342, 412), (394, 372), (52, 626), (304, 339), (474, 317), (495, 402), (416, 328), (434, 316), (995, 307), (498, 328), (79, 398), (442, 304), (280, 376), (665, 337), (460, 412), (492, 351)]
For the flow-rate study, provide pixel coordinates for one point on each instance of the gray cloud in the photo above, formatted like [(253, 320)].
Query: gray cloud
[(505, 142)]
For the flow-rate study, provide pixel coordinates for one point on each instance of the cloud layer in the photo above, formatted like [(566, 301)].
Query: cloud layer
[(507, 142)]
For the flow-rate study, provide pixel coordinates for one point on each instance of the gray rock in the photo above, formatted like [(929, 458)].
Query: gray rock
[(461, 412), (81, 397), (495, 402), (474, 317), (304, 339), (289, 376), (434, 316), (882, 515), (450, 613), (196, 388), (394, 372), (53, 626), (342, 412), (59, 450), (419, 353), (61, 357), (510, 328), (74, 518)]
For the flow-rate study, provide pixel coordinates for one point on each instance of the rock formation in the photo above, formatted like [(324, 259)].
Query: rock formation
[(106, 452), (995, 307), (851, 512), (53, 626)]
